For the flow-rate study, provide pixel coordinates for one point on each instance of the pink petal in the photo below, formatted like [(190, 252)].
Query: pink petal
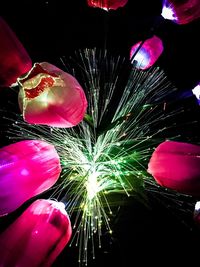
[(37, 237), (148, 54), (14, 60), (27, 168), (184, 11), (176, 165), (107, 4), (196, 214), (51, 97)]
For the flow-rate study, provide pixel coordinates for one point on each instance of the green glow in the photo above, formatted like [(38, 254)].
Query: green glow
[(92, 185)]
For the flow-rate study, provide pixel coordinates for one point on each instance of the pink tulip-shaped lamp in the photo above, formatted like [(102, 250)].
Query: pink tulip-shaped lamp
[(107, 4), (181, 11), (14, 59), (196, 92), (176, 165), (52, 97), (196, 214), (145, 54), (37, 236), (27, 168)]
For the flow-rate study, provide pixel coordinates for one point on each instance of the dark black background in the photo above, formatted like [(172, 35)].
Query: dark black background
[(51, 29), (54, 28)]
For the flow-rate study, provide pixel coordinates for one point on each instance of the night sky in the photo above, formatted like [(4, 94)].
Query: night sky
[(55, 28)]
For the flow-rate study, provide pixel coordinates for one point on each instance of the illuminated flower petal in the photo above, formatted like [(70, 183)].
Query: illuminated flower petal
[(27, 168), (51, 96), (197, 213), (37, 237), (182, 11), (107, 4), (176, 165), (196, 92), (148, 54), (14, 60)]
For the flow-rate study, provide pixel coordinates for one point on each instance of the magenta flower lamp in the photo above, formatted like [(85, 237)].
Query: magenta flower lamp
[(27, 168), (145, 56), (14, 59), (37, 236), (176, 165), (181, 11), (52, 97), (107, 4)]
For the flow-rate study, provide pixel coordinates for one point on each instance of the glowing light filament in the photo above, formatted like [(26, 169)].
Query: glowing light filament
[(92, 186)]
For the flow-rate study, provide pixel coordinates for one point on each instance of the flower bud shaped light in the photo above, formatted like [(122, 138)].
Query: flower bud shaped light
[(176, 165), (196, 214), (167, 12), (181, 11), (37, 236), (27, 168), (14, 60), (107, 4), (52, 97), (196, 92), (145, 54)]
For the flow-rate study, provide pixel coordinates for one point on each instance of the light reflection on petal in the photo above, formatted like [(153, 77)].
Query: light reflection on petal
[(27, 168)]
